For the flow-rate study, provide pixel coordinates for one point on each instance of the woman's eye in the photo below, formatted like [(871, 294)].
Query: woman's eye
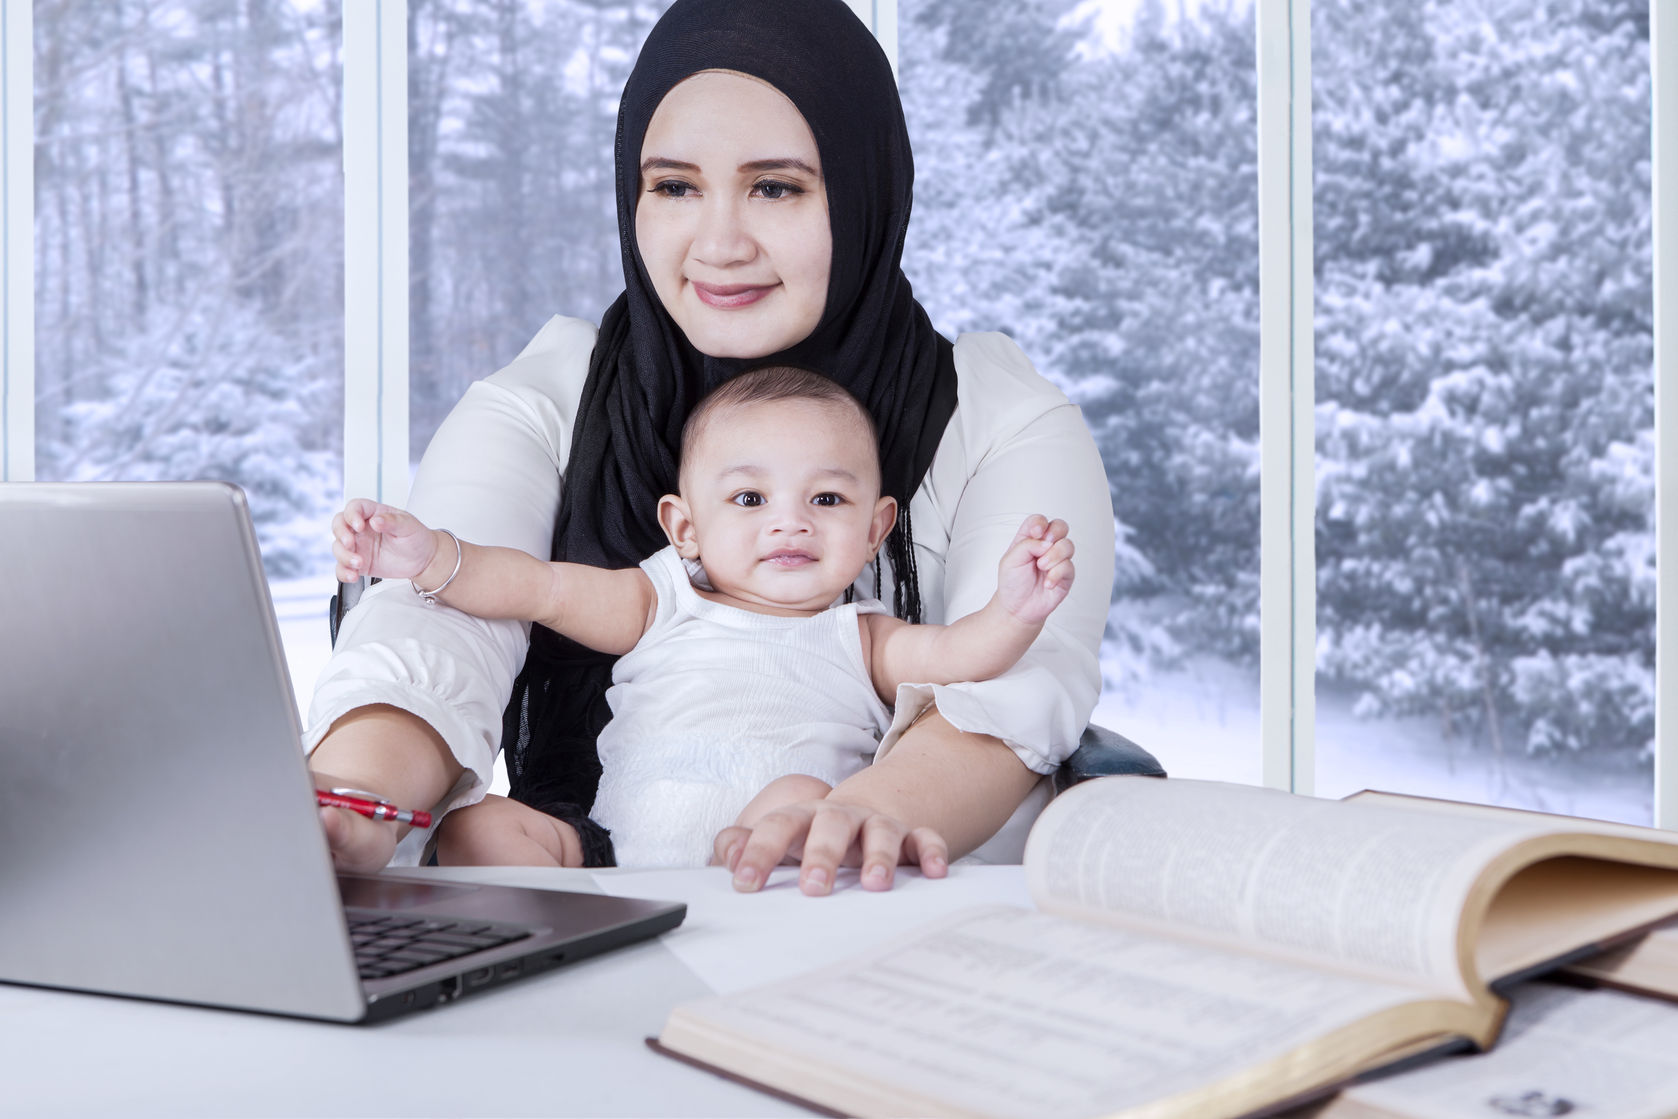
[(827, 499), (751, 499), (670, 188), (774, 189)]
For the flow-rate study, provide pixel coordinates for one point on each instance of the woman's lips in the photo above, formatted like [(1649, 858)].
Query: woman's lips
[(729, 296)]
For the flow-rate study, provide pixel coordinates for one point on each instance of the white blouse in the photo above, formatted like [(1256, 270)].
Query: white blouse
[(492, 474)]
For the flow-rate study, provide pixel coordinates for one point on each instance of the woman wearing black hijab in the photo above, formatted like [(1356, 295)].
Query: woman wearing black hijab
[(970, 437)]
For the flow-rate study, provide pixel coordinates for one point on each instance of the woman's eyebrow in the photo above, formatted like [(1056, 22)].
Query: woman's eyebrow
[(660, 163), (785, 163)]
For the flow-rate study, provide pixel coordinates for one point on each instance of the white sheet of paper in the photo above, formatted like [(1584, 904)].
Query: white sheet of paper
[(732, 941)]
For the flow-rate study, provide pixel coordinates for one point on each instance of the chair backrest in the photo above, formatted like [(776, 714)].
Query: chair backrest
[(1105, 753), (348, 595)]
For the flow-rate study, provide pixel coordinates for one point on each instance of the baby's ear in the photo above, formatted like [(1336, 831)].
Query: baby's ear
[(674, 518), (885, 516)]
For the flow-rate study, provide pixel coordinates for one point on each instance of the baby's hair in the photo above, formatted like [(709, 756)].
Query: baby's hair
[(771, 383)]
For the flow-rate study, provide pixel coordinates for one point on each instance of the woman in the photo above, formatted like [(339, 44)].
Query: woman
[(763, 179)]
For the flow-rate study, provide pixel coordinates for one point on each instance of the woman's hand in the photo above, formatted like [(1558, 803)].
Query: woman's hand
[(938, 791), (359, 845), (823, 835)]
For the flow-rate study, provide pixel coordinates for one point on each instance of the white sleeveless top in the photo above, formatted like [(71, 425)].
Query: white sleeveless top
[(715, 702)]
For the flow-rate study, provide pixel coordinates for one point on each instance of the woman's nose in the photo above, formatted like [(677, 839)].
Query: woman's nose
[(722, 238)]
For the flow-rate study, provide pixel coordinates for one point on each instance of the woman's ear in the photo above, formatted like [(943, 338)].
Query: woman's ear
[(674, 519), (885, 516)]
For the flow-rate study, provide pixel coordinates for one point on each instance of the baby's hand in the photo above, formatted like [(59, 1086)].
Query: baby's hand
[(1036, 570), (381, 541)]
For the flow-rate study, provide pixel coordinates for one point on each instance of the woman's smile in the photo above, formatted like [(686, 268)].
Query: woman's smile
[(728, 296)]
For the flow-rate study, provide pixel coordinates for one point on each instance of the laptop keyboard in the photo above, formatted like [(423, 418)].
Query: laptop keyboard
[(387, 944)]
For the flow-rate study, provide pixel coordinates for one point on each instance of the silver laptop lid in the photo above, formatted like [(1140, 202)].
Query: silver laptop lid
[(158, 834)]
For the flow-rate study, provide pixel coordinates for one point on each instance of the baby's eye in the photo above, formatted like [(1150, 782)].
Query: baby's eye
[(670, 188), (751, 499), (774, 189), (828, 499)]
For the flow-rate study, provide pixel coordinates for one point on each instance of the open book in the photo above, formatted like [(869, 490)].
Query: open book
[(1198, 950)]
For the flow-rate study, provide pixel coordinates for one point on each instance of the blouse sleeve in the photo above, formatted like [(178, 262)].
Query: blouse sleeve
[(492, 475), (1015, 446)]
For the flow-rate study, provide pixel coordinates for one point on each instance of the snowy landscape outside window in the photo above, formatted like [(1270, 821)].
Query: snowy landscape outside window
[(1086, 181), (189, 259), (1485, 393)]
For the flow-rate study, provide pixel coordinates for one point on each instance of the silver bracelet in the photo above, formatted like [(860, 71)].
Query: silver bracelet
[(430, 597)]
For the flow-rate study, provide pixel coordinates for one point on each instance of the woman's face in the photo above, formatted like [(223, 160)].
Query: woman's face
[(731, 217)]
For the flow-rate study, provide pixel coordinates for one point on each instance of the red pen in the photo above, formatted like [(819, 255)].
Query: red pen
[(374, 808)]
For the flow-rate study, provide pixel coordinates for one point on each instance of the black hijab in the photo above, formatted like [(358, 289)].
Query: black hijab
[(644, 376)]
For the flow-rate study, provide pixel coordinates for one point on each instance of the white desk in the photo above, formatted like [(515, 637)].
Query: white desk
[(569, 1042)]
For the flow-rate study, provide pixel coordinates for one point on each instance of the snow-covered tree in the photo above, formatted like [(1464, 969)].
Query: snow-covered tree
[(1485, 523), (189, 251)]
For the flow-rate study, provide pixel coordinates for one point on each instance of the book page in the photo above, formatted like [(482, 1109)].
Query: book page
[(1371, 887), (1563, 1052), (1007, 1012)]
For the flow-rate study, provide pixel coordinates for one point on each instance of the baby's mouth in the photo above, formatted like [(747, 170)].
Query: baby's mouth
[(789, 558)]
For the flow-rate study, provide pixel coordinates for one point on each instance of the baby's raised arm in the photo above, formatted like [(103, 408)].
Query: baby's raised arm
[(1033, 578), (602, 608)]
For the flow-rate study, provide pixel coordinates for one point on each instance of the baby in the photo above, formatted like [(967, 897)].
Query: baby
[(740, 669)]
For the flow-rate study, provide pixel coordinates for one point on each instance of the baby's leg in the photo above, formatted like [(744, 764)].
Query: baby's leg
[(501, 832), (779, 793)]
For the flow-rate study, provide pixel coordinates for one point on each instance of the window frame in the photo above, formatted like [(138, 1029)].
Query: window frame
[(1663, 61), (17, 241), (1287, 430), (376, 250)]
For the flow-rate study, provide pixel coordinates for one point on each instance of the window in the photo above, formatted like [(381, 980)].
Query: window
[(189, 263), (1485, 402), (1086, 182), (1452, 214)]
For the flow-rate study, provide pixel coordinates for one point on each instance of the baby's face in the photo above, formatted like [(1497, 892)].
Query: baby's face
[(782, 503)]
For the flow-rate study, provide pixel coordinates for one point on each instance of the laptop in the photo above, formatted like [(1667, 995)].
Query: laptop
[(159, 836)]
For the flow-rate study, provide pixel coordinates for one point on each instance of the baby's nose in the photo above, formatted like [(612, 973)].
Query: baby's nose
[(791, 520)]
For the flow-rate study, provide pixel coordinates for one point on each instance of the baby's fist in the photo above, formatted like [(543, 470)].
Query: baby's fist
[(1036, 571)]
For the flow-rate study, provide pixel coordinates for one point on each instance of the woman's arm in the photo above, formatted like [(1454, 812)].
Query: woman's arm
[(386, 750)]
